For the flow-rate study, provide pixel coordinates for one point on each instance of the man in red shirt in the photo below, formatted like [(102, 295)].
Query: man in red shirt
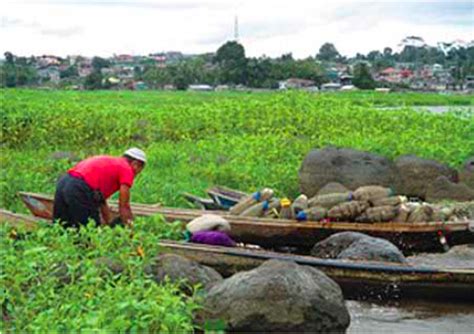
[(84, 190)]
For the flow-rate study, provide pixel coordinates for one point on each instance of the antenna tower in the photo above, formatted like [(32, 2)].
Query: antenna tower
[(236, 29)]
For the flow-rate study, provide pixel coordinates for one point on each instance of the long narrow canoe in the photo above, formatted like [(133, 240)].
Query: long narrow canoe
[(275, 233), (358, 280), (25, 222)]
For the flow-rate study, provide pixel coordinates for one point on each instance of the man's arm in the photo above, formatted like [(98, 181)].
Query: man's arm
[(106, 215), (124, 204)]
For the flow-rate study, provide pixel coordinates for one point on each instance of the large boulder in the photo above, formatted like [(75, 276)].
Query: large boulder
[(278, 296), (349, 167), (357, 246), (180, 269), (466, 175), (442, 188), (416, 174)]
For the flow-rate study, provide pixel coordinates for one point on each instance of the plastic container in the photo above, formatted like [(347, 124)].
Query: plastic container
[(285, 212), (312, 214), (247, 202), (299, 204), (259, 209)]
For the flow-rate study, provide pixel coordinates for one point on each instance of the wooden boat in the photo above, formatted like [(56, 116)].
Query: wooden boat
[(202, 203), (225, 197), (358, 280), (25, 222), (275, 233)]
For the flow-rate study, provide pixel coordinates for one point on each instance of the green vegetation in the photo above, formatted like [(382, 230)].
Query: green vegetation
[(242, 140), (196, 140), (54, 281)]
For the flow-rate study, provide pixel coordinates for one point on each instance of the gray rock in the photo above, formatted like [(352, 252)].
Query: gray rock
[(416, 174), (442, 189), (180, 269), (349, 167), (107, 264), (64, 155), (332, 188), (466, 175), (469, 165), (278, 296), (357, 246)]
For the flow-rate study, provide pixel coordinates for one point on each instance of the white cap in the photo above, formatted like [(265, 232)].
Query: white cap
[(136, 154)]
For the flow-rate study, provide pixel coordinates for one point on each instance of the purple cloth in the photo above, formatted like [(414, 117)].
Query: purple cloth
[(216, 238)]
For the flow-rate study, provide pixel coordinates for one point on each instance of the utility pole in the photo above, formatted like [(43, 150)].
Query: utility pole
[(236, 29)]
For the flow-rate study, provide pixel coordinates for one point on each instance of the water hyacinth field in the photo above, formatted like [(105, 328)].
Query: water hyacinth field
[(193, 141)]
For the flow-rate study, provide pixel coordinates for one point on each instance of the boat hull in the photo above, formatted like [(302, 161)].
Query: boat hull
[(278, 233), (358, 280)]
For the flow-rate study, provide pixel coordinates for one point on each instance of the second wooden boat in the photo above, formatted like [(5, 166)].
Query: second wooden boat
[(275, 233), (358, 280)]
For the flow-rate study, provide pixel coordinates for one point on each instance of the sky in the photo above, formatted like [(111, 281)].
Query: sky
[(265, 27)]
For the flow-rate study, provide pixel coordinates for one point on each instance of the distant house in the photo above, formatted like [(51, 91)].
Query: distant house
[(200, 88), (45, 61), (389, 74), (295, 83), (346, 80), (332, 86), (140, 85), (124, 58), (84, 70), (469, 82), (50, 73)]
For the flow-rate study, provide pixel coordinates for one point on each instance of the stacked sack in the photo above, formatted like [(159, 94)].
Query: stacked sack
[(367, 204)]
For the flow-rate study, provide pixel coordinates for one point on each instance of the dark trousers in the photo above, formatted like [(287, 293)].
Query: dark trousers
[(75, 202)]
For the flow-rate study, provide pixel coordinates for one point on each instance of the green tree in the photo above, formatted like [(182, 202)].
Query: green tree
[(100, 63), (157, 77), (328, 52), (362, 77), (93, 81), (69, 72), (232, 63)]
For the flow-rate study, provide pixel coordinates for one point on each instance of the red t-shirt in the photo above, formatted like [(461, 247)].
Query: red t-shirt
[(104, 173)]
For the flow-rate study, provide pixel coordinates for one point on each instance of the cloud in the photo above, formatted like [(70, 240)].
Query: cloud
[(63, 32), (270, 27)]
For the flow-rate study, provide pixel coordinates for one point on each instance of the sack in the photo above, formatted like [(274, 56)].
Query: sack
[(330, 200), (215, 238), (348, 210), (378, 214), (392, 201), (421, 214), (404, 211), (208, 222), (368, 193)]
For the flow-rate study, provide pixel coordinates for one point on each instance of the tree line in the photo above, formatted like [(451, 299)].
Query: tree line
[(230, 66)]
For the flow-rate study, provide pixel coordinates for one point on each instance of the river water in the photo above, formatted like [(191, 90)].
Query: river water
[(436, 109), (418, 317)]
